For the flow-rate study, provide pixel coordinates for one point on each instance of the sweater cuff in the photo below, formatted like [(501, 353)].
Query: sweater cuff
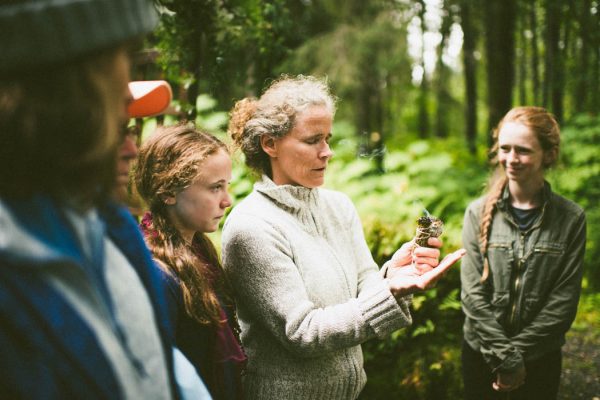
[(381, 310)]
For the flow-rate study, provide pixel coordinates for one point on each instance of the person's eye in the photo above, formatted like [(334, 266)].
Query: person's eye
[(216, 188)]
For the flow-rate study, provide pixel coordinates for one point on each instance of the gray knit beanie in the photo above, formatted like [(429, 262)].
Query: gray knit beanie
[(36, 33)]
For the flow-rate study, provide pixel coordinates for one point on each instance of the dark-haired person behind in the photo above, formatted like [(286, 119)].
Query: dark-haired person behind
[(82, 309), (521, 277), (183, 175), (152, 98)]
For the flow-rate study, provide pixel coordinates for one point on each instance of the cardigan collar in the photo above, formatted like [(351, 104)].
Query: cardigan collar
[(293, 198)]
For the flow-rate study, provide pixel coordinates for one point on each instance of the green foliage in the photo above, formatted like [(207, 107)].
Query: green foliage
[(588, 315), (578, 178), (208, 118), (231, 49), (364, 60), (423, 360), (227, 50), (426, 175)]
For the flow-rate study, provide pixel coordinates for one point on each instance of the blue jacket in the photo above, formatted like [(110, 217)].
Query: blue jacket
[(48, 350)]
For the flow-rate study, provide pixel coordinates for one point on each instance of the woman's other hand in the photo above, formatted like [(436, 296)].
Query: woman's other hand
[(412, 259), (409, 279)]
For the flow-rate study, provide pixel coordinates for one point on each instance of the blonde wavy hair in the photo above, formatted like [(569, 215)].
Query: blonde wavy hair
[(168, 162), (547, 131), (274, 114)]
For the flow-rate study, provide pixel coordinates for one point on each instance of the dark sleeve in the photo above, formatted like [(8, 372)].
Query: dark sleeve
[(173, 294)]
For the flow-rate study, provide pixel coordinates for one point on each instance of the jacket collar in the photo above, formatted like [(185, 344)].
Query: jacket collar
[(504, 200), (36, 232)]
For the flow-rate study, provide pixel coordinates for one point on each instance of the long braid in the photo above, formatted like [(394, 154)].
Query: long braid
[(487, 215), (177, 259), (168, 162), (221, 283), (210, 255)]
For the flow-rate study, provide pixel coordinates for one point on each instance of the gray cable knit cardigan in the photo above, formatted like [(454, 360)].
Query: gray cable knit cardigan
[(308, 291)]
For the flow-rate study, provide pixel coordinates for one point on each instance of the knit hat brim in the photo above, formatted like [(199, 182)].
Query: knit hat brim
[(38, 33)]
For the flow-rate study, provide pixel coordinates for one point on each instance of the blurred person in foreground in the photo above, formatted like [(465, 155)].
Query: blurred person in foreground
[(307, 288), (82, 310), (521, 278)]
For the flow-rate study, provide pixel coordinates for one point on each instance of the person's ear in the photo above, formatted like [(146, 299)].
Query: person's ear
[(550, 156), (269, 145), (169, 199)]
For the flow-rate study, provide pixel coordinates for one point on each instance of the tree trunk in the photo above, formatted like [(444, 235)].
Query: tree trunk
[(552, 77), (363, 116), (377, 137), (443, 94), (582, 71), (198, 29), (499, 21), (535, 59), (558, 89), (522, 56), (423, 115), (469, 62), (594, 101), (370, 114), (594, 106)]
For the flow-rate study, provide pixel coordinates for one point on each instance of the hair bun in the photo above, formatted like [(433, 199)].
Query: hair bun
[(242, 112)]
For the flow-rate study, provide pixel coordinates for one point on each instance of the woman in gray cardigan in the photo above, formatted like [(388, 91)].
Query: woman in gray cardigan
[(307, 288)]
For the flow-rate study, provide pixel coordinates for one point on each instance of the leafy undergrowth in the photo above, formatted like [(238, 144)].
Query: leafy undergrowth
[(581, 354), (427, 366)]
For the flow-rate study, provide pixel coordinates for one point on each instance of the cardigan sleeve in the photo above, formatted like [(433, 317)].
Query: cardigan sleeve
[(259, 262), (495, 346), (369, 279)]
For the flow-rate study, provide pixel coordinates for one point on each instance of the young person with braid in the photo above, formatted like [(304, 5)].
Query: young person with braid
[(183, 175), (521, 277)]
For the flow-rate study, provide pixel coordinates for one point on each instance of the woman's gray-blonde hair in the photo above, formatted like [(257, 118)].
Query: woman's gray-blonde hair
[(274, 114)]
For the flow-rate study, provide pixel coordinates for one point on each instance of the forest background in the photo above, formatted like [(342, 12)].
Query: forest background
[(421, 84)]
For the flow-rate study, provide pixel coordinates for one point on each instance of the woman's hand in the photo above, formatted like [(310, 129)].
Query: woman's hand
[(409, 279), (509, 381), (412, 259)]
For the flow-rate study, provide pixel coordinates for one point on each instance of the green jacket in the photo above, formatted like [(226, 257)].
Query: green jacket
[(529, 300)]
